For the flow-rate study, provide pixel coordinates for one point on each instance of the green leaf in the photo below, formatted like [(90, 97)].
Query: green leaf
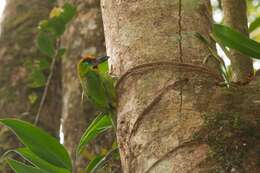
[(99, 161), (45, 43), (222, 66), (94, 164), (68, 13), (19, 167), (56, 11), (57, 25), (255, 24), (36, 79), (61, 52), (235, 40), (43, 26), (42, 64), (33, 98), (98, 125), (40, 143), (38, 162)]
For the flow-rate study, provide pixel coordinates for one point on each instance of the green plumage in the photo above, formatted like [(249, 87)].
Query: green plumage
[(99, 88)]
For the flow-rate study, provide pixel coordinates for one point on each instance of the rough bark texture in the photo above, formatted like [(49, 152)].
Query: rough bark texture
[(235, 16), (19, 28), (83, 36), (168, 108)]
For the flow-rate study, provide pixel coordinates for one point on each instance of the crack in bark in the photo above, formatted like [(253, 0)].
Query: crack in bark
[(180, 30), (181, 99), (180, 48), (166, 155)]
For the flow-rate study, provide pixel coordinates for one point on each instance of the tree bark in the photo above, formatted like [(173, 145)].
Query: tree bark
[(172, 114), (84, 36), (235, 16), (19, 29)]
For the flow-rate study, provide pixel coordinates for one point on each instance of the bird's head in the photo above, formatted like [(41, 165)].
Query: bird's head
[(90, 62)]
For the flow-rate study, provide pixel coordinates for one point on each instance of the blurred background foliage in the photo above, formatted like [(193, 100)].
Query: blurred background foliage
[(253, 10)]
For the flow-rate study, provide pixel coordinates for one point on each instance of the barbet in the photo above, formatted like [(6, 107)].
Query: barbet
[(98, 87)]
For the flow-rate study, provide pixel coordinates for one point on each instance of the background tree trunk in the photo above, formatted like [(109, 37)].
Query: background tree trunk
[(83, 36), (19, 28), (172, 115), (235, 16)]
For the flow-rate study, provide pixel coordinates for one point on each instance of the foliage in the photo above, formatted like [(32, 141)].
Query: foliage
[(100, 124), (49, 31), (23, 168), (99, 161), (235, 40), (224, 70), (42, 150), (44, 153), (254, 25), (228, 37)]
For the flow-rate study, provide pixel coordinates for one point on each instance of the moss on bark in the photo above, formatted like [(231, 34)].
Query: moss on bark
[(230, 135)]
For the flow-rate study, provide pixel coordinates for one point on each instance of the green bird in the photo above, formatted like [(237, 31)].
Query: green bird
[(98, 87)]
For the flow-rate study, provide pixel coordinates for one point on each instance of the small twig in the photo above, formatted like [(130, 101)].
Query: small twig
[(45, 92), (48, 82)]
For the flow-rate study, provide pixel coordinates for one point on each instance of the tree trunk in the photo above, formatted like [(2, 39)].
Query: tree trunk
[(19, 28), (172, 114), (235, 16), (83, 36)]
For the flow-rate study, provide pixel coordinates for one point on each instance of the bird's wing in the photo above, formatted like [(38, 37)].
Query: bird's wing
[(110, 89), (95, 90)]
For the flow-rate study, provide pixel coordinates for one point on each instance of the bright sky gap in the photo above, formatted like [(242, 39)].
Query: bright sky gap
[(2, 7)]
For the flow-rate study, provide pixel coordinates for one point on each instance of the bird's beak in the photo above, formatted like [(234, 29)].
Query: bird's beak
[(102, 59)]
